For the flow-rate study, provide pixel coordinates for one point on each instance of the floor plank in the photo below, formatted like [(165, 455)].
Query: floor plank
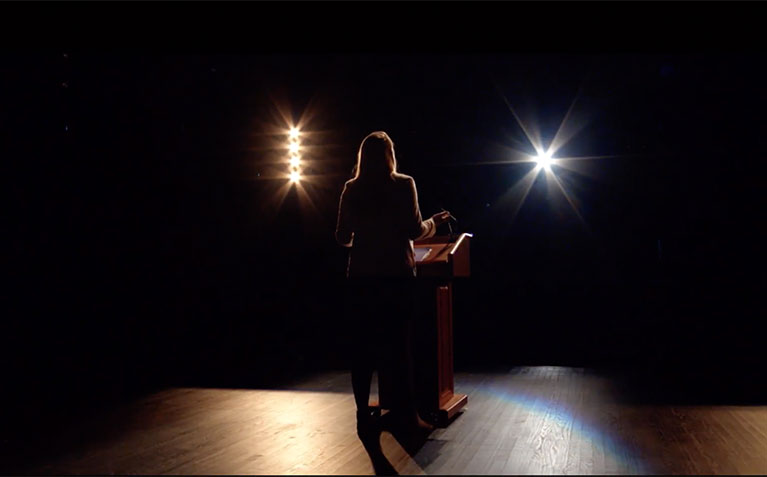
[(529, 420)]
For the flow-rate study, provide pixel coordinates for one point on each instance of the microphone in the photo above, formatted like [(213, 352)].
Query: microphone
[(449, 227)]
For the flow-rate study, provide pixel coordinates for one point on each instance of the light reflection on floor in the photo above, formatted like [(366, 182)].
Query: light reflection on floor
[(553, 416)]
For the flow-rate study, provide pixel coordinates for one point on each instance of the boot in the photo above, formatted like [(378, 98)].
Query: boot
[(367, 426)]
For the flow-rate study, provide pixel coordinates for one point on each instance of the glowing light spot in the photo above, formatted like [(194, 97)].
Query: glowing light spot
[(295, 177), (293, 133), (545, 160), (294, 161), (293, 148)]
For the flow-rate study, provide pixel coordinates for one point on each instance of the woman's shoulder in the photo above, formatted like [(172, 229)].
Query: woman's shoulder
[(350, 184), (401, 178), (396, 179)]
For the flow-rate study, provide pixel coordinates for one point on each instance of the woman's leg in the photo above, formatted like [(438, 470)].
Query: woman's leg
[(399, 354), (362, 355), (362, 375)]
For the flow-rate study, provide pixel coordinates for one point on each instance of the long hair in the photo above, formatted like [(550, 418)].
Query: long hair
[(375, 158)]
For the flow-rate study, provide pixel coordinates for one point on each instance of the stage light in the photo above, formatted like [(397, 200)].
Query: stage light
[(544, 160), (294, 159)]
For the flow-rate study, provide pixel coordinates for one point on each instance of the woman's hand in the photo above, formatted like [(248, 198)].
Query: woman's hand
[(440, 217)]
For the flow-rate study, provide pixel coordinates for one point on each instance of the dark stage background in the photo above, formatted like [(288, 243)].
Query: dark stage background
[(146, 246)]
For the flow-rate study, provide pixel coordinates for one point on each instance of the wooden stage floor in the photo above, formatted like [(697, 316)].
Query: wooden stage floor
[(528, 420)]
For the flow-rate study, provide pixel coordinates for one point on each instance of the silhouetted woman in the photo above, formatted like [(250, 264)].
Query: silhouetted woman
[(379, 217)]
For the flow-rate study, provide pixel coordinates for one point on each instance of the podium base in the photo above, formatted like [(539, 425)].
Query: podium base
[(442, 416), (449, 409)]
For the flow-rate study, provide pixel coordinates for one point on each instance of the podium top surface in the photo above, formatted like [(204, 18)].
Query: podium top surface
[(443, 256)]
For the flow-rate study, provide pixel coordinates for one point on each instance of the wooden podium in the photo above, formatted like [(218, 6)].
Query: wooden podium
[(438, 261)]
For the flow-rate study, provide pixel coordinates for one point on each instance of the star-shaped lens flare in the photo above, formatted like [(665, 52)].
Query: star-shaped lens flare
[(544, 159)]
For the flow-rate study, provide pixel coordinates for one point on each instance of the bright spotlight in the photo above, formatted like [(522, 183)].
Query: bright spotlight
[(544, 160), (293, 133), (293, 148), (294, 161), (295, 176)]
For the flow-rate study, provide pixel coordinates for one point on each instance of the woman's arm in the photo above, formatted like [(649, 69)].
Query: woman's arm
[(344, 234), (418, 228)]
